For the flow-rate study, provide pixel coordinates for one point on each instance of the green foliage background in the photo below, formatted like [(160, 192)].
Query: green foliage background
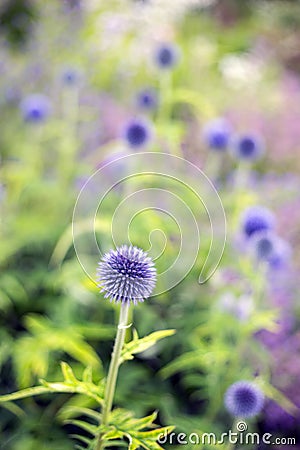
[(50, 310)]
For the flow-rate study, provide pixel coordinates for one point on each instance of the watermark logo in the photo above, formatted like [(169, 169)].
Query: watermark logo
[(159, 202), (240, 435)]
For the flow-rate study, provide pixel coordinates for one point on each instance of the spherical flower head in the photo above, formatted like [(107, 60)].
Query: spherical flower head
[(166, 56), (269, 247), (248, 147), (35, 108), (147, 99), (255, 219), (263, 245), (137, 133), (126, 274), (70, 77), (281, 255), (217, 134), (244, 399)]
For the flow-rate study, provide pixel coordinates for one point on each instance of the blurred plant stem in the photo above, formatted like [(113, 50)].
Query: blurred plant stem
[(113, 370), (69, 141), (165, 88), (231, 444), (166, 106)]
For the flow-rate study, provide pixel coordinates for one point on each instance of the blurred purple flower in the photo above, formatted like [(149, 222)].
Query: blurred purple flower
[(247, 147), (70, 76), (166, 56), (35, 108), (137, 133), (217, 134), (255, 219), (147, 99), (269, 247)]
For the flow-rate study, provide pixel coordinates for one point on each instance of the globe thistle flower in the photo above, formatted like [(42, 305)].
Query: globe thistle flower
[(263, 245), (147, 99), (217, 134), (35, 108), (126, 274), (267, 246), (166, 56), (281, 255), (137, 133), (244, 399), (255, 219), (70, 77), (247, 147)]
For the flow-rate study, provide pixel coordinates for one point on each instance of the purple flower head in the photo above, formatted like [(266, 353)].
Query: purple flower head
[(256, 218), (70, 77), (137, 133), (126, 274), (166, 56), (244, 399), (217, 134), (35, 108), (281, 255), (147, 99), (248, 147), (267, 246)]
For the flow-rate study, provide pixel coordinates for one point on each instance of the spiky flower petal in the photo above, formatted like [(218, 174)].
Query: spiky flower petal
[(126, 274)]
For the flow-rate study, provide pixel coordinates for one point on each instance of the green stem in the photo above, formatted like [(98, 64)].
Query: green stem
[(113, 370)]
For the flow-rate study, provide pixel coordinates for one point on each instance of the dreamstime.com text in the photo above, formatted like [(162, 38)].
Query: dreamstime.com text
[(241, 437)]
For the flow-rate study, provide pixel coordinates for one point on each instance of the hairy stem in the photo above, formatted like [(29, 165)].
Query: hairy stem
[(113, 370)]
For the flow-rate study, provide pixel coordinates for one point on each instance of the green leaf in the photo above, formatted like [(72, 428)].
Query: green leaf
[(200, 358), (73, 411), (88, 427), (31, 352), (140, 345), (122, 424), (70, 385), (83, 439), (186, 361), (14, 409), (68, 374), (30, 392), (87, 376), (139, 424), (66, 240)]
